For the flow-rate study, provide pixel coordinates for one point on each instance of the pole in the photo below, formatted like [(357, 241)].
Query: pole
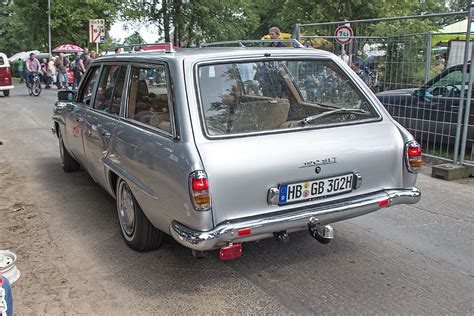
[(97, 47), (428, 56), (463, 84), (49, 27), (467, 111)]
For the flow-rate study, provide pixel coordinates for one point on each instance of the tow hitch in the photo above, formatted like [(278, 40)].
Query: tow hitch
[(282, 236), (322, 233)]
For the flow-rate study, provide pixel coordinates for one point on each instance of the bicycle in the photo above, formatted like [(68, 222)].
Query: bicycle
[(34, 84)]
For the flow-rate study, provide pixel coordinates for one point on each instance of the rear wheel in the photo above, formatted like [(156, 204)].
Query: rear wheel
[(69, 163), (138, 232), (6, 93)]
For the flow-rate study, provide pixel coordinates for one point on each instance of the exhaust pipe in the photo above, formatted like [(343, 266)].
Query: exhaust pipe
[(322, 233)]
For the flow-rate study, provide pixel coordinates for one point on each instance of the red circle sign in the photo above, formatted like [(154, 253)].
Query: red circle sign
[(344, 34)]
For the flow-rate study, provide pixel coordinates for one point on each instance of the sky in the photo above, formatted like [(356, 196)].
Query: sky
[(148, 33)]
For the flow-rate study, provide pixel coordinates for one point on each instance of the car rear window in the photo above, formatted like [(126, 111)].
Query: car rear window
[(2, 62), (249, 97)]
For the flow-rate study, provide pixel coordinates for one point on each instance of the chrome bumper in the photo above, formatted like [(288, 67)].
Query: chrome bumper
[(291, 220)]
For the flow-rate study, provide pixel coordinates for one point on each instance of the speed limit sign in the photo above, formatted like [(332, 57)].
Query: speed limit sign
[(344, 34)]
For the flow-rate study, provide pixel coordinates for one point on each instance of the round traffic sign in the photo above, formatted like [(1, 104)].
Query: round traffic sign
[(344, 34)]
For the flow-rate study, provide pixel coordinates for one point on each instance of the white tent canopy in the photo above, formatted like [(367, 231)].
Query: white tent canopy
[(23, 55), (458, 27)]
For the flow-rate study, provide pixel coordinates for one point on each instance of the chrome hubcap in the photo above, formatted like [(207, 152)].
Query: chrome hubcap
[(126, 210)]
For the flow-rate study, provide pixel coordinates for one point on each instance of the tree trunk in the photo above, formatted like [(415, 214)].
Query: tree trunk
[(166, 20)]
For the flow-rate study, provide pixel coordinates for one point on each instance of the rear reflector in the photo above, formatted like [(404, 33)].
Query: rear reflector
[(384, 203), (244, 232), (230, 252)]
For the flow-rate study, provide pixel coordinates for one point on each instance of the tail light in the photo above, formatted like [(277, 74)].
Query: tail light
[(413, 156), (199, 191)]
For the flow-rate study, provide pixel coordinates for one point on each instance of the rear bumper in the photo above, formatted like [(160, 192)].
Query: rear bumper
[(292, 220), (6, 88)]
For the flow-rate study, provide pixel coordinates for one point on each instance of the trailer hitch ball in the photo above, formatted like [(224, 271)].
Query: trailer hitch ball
[(322, 233), (282, 236)]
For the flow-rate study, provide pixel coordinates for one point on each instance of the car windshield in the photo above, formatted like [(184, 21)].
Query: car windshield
[(260, 96)]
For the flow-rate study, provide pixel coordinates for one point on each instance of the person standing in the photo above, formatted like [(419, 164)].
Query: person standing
[(76, 70), (84, 61), (274, 33), (43, 73), (61, 63), (51, 73), (21, 69)]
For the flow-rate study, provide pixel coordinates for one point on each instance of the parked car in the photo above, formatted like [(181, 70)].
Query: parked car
[(220, 146), (6, 81), (430, 112)]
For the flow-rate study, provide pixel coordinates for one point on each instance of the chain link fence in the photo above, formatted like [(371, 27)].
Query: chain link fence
[(418, 67)]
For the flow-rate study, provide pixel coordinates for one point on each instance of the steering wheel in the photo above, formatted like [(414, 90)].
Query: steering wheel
[(451, 92)]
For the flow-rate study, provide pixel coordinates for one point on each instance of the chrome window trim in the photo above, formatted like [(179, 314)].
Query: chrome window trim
[(124, 88), (195, 66), (171, 99), (148, 127), (83, 87)]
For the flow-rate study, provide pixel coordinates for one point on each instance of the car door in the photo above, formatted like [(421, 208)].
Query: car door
[(74, 115), (101, 119), (438, 108)]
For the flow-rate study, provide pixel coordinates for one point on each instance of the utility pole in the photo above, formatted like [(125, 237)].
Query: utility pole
[(49, 27)]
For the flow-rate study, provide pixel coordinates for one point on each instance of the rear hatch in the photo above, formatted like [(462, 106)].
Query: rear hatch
[(267, 127), (242, 170)]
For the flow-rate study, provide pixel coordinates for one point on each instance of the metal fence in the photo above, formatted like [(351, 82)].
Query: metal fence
[(418, 67)]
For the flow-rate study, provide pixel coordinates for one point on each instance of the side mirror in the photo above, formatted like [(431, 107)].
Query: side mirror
[(420, 93), (66, 95)]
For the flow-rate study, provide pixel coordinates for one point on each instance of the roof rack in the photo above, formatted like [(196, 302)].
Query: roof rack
[(140, 48), (262, 43)]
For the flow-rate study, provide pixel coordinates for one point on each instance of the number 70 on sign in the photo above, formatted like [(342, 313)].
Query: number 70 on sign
[(344, 34)]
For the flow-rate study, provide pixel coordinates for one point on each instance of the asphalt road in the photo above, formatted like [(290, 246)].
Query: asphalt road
[(415, 259)]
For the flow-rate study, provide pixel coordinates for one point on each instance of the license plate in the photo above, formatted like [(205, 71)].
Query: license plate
[(315, 189)]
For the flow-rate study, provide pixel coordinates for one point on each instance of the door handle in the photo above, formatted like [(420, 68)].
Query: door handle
[(106, 134), (79, 119)]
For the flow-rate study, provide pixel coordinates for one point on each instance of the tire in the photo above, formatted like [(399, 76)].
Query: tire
[(6, 93), (36, 90), (137, 231), (69, 163)]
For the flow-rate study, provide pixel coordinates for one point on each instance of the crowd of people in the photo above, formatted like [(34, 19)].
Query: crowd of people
[(57, 70)]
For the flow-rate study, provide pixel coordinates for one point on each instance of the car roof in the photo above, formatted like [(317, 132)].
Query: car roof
[(215, 53)]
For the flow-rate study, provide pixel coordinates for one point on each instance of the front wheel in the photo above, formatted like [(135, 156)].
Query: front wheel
[(36, 90), (138, 232), (6, 93), (69, 163)]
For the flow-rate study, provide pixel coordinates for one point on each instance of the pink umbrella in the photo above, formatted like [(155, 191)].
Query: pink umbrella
[(67, 48)]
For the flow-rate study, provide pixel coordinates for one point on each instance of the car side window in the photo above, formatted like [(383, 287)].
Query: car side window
[(85, 95), (2, 62), (110, 89), (150, 96), (448, 85)]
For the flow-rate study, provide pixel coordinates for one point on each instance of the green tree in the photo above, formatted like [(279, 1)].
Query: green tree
[(24, 23), (134, 39), (194, 21)]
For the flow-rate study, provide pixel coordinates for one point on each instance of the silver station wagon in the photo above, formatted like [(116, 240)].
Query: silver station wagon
[(220, 146)]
